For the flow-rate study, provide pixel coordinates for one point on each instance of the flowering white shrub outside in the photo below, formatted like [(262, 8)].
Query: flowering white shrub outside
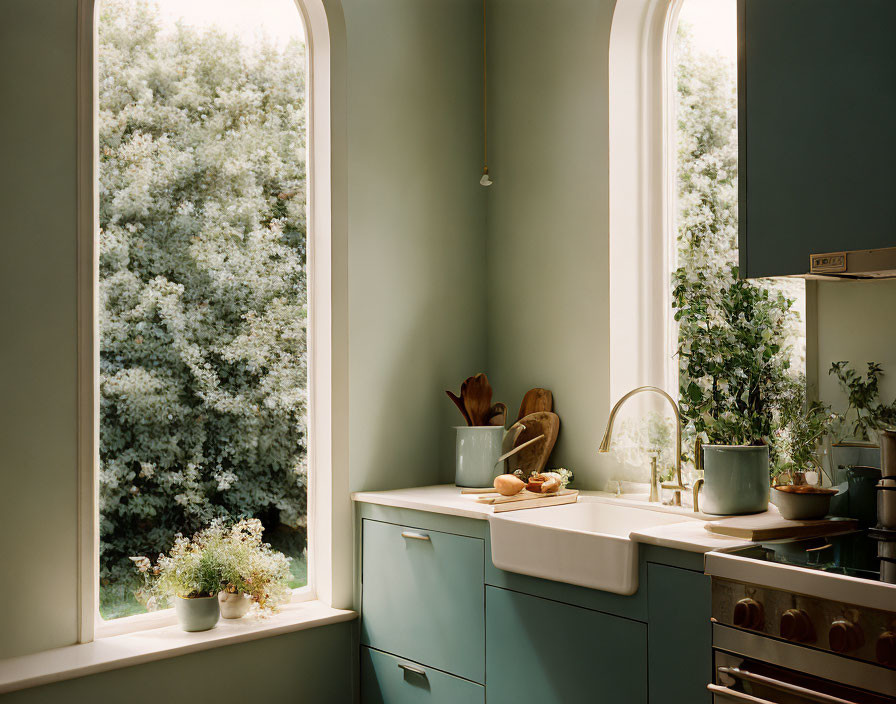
[(203, 300)]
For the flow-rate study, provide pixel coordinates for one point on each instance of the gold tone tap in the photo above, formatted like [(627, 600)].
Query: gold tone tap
[(678, 486)]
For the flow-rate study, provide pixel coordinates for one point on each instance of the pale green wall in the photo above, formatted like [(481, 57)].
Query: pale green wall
[(416, 233), (856, 322), (307, 666), (417, 324), (38, 355), (548, 212)]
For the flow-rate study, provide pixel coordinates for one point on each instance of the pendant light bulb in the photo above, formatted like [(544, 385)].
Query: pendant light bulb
[(486, 179)]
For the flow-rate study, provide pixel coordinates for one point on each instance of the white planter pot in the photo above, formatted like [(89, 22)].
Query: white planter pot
[(234, 605)]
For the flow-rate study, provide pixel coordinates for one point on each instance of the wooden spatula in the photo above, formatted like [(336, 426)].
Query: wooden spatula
[(459, 402), (477, 395)]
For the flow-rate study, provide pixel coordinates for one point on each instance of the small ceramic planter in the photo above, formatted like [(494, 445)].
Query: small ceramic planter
[(234, 605), (198, 613)]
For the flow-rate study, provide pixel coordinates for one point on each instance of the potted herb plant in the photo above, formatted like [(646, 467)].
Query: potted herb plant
[(733, 371), (800, 436), (189, 576), (866, 414), (253, 572)]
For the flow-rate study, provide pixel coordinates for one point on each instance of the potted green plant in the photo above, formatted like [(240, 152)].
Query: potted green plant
[(866, 414), (733, 372), (189, 576), (253, 572)]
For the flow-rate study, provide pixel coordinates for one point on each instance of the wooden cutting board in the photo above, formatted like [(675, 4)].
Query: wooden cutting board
[(528, 499), (764, 527), (535, 457)]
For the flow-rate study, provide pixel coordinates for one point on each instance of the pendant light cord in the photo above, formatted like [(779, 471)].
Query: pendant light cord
[(486, 179), (484, 89)]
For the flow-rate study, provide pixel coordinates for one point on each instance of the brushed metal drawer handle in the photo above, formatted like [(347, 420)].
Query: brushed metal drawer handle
[(414, 670), (415, 536)]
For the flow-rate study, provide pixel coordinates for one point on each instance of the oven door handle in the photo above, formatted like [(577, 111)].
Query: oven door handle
[(735, 696), (809, 694)]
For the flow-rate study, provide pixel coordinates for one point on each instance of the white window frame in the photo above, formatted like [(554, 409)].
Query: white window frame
[(643, 334), (330, 514)]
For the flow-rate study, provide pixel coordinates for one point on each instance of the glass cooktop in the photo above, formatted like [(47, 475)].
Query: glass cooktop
[(852, 554)]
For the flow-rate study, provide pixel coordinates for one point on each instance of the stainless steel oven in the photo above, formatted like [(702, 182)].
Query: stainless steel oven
[(755, 669)]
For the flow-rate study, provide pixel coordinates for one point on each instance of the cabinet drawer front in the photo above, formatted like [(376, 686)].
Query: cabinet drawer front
[(544, 651), (423, 597), (386, 679)]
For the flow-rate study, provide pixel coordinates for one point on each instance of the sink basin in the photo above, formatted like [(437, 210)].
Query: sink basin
[(586, 543)]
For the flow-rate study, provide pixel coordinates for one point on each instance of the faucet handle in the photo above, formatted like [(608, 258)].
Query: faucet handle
[(698, 453), (697, 485)]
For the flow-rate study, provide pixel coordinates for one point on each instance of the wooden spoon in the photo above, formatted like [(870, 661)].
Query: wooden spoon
[(458, 401), (497, 415), (536, 400), (477, 395)]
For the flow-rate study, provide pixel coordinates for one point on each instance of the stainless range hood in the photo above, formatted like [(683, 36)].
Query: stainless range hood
[(858, 264)]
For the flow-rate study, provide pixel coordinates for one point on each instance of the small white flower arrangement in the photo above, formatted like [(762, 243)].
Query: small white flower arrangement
[(219, 558)]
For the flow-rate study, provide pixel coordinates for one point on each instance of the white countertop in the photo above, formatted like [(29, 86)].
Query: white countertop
[(689, 535)]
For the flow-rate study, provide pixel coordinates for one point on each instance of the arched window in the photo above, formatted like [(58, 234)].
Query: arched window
[(209, 260), (673, 198)]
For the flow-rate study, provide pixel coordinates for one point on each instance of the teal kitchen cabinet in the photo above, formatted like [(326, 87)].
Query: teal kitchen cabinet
[(540, 651), (386, 679), (817, 143), (423, 597), (679, 635)]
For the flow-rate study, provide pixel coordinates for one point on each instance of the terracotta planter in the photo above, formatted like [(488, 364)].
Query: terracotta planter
[(198, 613), (234, 605)]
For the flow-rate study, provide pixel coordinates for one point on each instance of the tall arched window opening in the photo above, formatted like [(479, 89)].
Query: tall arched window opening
[(203, 291), (673, 223)]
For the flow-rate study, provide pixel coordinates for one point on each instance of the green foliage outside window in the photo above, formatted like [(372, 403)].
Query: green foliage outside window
[(203, 299)]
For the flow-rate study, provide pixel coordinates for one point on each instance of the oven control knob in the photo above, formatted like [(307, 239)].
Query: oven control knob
[(886, 649), (748, 613), (845, 636), (797, 626)]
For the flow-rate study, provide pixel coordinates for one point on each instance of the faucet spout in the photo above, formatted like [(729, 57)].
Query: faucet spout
[(678, 486)]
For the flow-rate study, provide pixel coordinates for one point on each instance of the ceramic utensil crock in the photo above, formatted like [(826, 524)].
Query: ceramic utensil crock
[(478, 448)]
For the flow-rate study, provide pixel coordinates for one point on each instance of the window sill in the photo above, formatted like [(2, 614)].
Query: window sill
[(157, 644)]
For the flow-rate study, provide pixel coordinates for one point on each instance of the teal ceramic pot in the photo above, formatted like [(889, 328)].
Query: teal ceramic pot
[(200, 613), (736, 479), (477, 450)]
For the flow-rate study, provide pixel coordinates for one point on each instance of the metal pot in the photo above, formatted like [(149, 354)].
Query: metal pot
[(888, 571), (886, 503)]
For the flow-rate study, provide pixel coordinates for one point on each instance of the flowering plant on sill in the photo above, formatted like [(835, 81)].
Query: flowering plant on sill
[(220, 557), (251, 566)]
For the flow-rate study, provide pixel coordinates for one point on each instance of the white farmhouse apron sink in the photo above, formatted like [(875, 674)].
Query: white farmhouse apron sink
[(586, 543)]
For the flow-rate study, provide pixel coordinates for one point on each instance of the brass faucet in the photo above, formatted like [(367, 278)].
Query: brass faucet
[(678, 486)]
